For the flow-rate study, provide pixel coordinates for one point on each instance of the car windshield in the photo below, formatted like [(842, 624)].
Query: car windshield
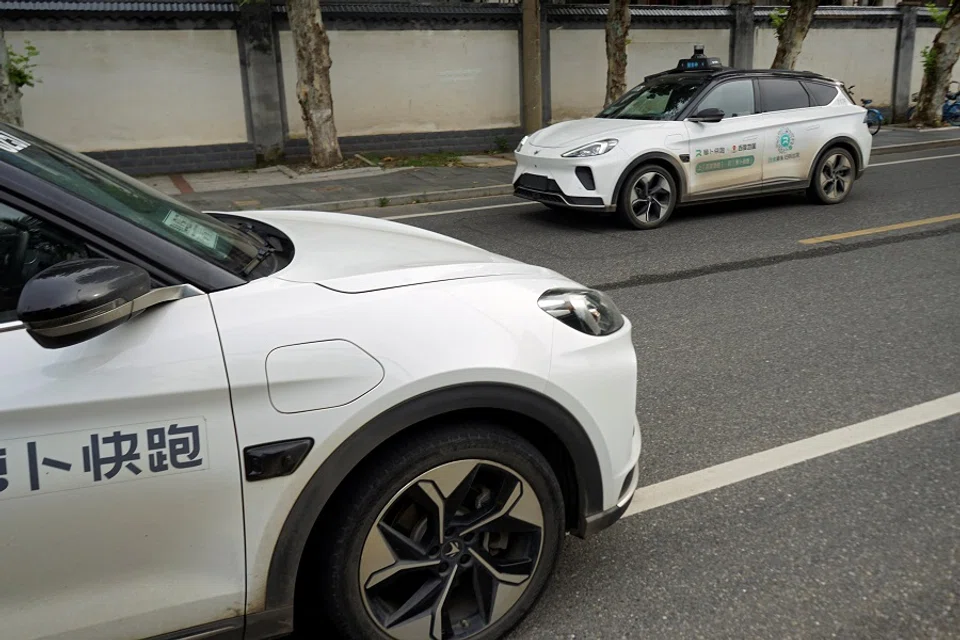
[(199, 233), (659, 99)]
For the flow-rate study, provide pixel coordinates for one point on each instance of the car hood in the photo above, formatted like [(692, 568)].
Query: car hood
[(353, 254), (579, 132)]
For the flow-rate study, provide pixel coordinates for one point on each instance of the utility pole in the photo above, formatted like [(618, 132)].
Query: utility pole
[(532, 76)]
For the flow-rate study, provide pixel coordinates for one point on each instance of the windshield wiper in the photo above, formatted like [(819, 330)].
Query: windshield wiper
[(265, 251)]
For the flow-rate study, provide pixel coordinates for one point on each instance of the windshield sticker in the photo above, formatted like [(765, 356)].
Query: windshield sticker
[(191, 229), (11, 143), (726, 163), (84, 459)]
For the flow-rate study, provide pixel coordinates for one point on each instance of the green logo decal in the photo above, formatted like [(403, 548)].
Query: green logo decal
[(785, 140), (727, 163)]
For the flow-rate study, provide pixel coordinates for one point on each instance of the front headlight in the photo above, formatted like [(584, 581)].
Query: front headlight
[(586, 310), (593, 149), (523, 141)]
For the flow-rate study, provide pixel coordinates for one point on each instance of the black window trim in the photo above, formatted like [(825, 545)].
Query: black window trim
[(119, 238)]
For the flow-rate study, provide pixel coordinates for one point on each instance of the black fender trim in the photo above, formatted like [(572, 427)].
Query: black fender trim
[(843, 140), (653, 155), (282, 575)]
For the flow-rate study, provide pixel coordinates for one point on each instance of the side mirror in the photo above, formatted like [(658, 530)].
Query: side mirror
[(707, 115), (77, 300)]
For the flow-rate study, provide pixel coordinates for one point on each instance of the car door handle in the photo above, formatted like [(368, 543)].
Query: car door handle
[(749, 138), (812, 127)]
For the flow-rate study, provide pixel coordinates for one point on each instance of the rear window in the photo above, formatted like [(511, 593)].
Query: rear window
[(780, 94), (823, 94)]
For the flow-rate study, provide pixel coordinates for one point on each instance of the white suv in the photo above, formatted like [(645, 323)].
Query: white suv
[(225, 426), (700, 133)]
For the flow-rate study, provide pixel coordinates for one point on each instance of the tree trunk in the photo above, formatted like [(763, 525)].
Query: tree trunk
[(792, 32), (937, 71), (618, 27), (10, 110), (312, 48)]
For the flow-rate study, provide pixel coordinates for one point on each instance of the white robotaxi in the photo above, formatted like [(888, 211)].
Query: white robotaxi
[(228, 426), (696, 133)]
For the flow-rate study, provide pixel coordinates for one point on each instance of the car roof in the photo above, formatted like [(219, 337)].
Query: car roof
[(729, 72)]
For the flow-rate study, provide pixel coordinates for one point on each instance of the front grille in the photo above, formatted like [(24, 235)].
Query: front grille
[(538, 183)]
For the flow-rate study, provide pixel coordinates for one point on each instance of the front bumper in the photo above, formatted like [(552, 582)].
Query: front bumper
[(598, 522), (543, 175)]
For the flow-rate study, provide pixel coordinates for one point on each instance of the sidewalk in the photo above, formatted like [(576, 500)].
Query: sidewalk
[(281, 188)]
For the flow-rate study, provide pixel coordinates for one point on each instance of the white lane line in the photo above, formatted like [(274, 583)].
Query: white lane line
[(886, 164), (443, 213), (758, 464)]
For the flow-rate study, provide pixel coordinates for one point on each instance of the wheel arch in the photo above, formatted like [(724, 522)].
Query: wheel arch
[(844, 142), (659, 158), (547, 425)]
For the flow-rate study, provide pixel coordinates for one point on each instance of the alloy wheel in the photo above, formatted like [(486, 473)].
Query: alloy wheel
[(650, 197), (452, 551), (836, 176)]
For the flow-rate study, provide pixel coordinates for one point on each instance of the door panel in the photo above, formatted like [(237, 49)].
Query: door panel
[(120, 504), (725, 155), (793, 131)]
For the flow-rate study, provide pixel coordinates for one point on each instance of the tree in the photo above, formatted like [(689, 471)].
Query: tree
[(312, 47), (618, 28), (791, 29), (938, 62), (10, 110)]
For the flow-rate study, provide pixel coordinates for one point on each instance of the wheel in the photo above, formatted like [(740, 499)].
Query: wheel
[(873, 122), (952, 115), (454, 534), (647, 198), (834, 176)]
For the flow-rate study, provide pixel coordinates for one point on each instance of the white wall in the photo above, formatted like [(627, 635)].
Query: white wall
[(106, 90), (925, 38), (415, 81), (578, 62), (863, 57)]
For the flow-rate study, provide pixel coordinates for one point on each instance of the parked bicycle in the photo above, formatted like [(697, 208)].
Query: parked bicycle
[(950, 110), (874, 118)]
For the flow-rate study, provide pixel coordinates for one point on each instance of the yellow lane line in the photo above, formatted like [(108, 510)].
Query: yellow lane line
[(872, 230)]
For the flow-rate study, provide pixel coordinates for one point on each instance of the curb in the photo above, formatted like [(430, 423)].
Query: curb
[(409, 198), (915, 146)]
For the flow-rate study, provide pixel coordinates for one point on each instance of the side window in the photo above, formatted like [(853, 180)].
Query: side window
[(733, 98), (779, 94), (27, 247), (823, 94)]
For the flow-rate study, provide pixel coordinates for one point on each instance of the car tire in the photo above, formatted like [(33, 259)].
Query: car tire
[(647, 198), (396, 496), (833, 177)]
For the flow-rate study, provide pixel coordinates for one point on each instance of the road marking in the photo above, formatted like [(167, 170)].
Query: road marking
[(758, 464), (885, 164), (442, 213), (873, 230)]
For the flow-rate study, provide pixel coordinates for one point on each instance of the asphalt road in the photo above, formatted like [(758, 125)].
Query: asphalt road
[(749, 340)]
